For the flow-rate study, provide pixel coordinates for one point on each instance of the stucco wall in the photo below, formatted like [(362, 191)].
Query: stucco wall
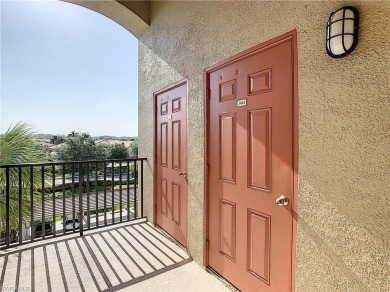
[(344, 126)]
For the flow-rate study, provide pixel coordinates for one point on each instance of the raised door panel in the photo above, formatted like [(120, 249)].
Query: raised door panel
[(164, 144), (259, 244), (227, 138), (176, 203), (176, 144), (259, 156), (227, 90), (164, 196), (259, 82), (176, 105), (164, 108), (228, 229)]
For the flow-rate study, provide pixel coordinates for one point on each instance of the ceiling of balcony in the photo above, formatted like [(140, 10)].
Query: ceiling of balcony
[(132, 15)]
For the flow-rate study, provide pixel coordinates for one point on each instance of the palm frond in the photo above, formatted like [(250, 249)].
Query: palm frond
[(18, 145)]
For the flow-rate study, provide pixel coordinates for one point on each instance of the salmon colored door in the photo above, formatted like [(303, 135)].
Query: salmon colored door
[(251, 171), (171, 161)]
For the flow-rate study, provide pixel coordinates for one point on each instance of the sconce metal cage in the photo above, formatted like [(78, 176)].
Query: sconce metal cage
[(342, 32)]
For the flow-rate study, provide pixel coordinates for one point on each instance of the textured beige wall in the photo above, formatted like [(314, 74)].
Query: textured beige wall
[(344, 126)]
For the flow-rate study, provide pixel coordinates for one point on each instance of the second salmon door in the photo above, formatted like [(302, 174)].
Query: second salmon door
[(171, 161), (250, 157)]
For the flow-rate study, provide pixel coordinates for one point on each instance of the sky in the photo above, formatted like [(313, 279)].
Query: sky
[(66, 68)]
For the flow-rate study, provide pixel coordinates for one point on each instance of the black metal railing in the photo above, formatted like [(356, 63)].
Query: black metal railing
[(37, 198)]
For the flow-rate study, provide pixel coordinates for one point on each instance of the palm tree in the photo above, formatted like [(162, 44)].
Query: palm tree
[(18, 145)]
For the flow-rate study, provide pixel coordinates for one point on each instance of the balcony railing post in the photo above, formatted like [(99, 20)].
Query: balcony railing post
[(97, 194), (63, 200), (81, 181), (73, 198), (32, 227), (142, 188), (135, 191), (20, 204), (53, 190), (105, 192), (112, 193), (128, 190), (120, 190), (7, 201), (88, 205), (43, 201)]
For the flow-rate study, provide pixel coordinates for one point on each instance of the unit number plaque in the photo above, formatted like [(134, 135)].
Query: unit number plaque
[(241, 102)]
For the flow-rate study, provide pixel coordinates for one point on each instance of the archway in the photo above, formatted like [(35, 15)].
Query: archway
[(132, 15)]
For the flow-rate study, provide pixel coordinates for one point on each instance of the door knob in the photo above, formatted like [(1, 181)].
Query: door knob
[(183, 173), (282, 201)]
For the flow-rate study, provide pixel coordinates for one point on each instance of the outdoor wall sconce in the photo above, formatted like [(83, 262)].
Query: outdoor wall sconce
[(342, 32)]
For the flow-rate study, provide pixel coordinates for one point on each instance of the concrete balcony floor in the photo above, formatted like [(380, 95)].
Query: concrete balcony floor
[(132, 256)]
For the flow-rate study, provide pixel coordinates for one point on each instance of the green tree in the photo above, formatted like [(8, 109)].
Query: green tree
[(18, 145), (57, 139), (80, 147), (134, 149), (118, 151)]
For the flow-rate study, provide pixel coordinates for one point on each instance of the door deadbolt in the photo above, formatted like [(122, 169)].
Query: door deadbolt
[(282, 201), (183, 173)]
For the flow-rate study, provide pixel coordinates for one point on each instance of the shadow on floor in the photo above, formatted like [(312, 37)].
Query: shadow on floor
[(104, 260)]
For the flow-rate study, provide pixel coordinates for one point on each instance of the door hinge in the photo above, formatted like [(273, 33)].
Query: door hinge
[(207, 169), (208, 93), (207, 245)]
